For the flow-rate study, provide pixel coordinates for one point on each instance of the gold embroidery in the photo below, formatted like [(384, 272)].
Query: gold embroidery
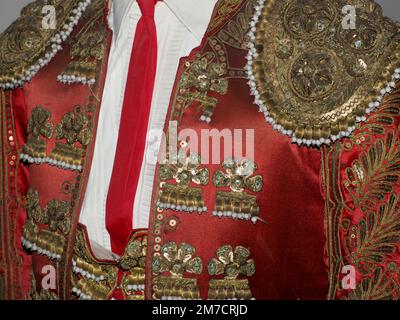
[(43, 295), (312, 78), (235, 32), (91, 279), (176, 260), (134, 261), (184, 169), (223, 9), (39, 125), (237, 204), (85, 53), (202, 76), (380, 286), (377, 235), (56, 216), (26, 45), (362, 210), (90, 290), (42, 241), (373, 175), (231, 263), (74, 128)]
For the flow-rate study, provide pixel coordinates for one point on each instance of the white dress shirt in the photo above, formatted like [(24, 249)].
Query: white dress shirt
[(180, 25)]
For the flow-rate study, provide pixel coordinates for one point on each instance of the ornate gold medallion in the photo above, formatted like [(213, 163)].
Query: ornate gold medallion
[(315, 77)]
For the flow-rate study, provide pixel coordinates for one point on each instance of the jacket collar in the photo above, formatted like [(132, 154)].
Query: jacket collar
[(194, 14)]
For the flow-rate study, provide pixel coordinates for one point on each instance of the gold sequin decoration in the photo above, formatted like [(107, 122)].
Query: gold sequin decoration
[(201, 77), (176, 260), (314, 77), (238, 175), (231, 263), (39, 127), (185, 169), (75, 130)]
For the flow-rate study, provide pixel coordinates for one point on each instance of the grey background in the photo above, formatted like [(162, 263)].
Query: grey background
[(9, 10)]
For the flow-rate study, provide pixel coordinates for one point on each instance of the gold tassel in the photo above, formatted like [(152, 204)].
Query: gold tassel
[(169, 288), (181, 198), (241, 206)]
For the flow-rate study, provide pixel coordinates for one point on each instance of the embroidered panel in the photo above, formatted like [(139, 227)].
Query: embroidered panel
[(203, 79), (362, 215), (26, 46), (74, 129), (11, 257), (313, 78)]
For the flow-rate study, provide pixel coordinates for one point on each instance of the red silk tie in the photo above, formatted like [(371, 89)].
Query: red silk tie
[(133, 129)]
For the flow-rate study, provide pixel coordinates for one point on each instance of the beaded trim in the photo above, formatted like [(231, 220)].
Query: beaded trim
[(66, 79), (80, 294), (50, 161), (176, 298), (181, 208), (56, 41), (252, 55), (235, 216), (85, 273), (34, 247), (135, 287)]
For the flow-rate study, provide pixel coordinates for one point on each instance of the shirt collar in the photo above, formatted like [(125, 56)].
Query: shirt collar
[(194, 14)]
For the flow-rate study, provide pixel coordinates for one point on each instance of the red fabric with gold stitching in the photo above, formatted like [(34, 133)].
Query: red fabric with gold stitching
[(289, 251)]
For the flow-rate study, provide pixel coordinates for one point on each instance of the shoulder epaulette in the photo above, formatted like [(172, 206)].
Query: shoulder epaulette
[(317, 73), (30, 42)]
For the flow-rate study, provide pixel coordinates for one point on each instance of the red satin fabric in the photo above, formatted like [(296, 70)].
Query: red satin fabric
[(133, 129), (289, 250)]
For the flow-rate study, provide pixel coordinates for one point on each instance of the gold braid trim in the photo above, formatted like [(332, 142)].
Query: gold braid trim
[(362, 206)]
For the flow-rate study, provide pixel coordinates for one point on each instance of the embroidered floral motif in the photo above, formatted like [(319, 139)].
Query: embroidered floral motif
[(237, 204), (377, 234), (202, 76), (184, 169), (134, 261), (176, 261), (74, 129), (231, 263), (56, 215), (39, 126)]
